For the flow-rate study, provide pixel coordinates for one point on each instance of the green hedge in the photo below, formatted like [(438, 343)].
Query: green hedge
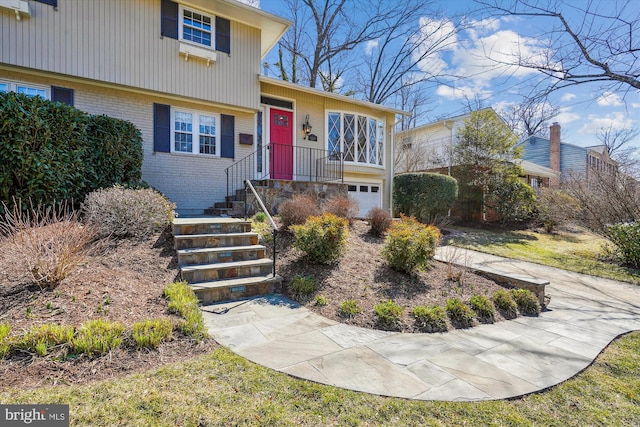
[(425, 196), (51, 152)]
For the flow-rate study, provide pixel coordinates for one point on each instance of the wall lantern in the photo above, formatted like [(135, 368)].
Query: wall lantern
[(306, 127)]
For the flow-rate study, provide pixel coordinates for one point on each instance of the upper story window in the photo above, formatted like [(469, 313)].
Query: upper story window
[(196, 27), (25, 89), (195, 133), (359, 138)]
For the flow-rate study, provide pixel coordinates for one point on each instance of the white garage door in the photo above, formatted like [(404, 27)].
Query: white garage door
[(369, 196)]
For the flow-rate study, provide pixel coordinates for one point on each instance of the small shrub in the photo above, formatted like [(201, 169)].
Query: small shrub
[(150, 333), (124, 212), (322, 238), (527, 302), (183, 301), (349, 309), (430, 319), (379, 221), (409, 245), (555, 207), (5, 345), (49, 242), (388, 315), (40, 339), (626, 238), (505, 303), (297, 209), (321, 301), (97, 337), (483, 307), (342, 206), (460, 313), (260, 217), (302, 287)]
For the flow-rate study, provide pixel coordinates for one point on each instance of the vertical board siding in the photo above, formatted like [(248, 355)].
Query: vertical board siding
[(118, 41)]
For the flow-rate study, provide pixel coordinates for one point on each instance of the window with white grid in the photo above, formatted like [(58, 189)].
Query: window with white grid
[(195, 133)]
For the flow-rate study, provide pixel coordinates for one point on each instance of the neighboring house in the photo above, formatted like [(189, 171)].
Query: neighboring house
[(187, 74), (567, 160), (429, 147)]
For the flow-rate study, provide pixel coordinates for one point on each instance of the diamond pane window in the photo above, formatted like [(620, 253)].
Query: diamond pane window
[(380, 143), (373, 143), (359, 138), (362, 139), (349, 132), (334, 134)]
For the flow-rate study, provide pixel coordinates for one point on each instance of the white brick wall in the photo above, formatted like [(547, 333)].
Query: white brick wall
[(192, 182)]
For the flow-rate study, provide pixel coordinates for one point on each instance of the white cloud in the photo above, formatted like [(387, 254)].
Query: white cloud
[(615, 121), (566, 116), (461, 92), (635, 105), (609, 99), (370, 45), (435, 38), (568, 97), (476, 28)]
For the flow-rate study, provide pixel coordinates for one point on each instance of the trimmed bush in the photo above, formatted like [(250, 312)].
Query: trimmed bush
[(52, 152), (379, 221), (40, 339), (527, 302), (50, 242), (342, 206), (321, 301), (150, 333), (483, 307), (298, 209), (322, 238), (349, 308), (388, 315), (409, 245), (124, 212), (97, 337), (184, 302), (430, 319), (511, 199), (504, 301), (460, 313), (426, 196), (626, 238), (302, 287)]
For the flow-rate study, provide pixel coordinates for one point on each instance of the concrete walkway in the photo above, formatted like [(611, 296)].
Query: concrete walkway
[(487, 362)]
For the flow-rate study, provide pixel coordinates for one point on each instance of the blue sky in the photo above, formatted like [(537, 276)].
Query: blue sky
[(584, 109)]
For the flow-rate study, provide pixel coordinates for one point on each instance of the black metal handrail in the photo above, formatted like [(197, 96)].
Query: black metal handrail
[(281, 161), (248, 185)]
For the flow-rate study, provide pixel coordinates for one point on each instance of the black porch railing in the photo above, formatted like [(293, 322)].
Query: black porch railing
[(286, 162)]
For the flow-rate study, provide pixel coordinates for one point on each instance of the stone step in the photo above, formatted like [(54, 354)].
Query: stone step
[(201, 241), (224, 290), (217, 255), (193, 226), (226, 270)]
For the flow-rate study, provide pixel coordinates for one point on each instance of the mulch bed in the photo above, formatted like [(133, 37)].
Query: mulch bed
[(362, 274)]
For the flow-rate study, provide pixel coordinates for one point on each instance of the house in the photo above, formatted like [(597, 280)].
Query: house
[(567, 160), (187, 74), (429, 147)]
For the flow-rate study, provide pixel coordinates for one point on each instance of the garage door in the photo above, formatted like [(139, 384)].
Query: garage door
[(369, 196)]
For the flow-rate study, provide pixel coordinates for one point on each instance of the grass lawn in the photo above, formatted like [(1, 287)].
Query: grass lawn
[(223, 389), (573, 251)]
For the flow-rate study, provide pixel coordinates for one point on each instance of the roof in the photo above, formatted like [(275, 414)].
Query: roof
[(445, 120), (337, 97), (272, 27)]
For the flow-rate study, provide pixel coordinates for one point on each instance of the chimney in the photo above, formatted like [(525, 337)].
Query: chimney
[(554, 151)]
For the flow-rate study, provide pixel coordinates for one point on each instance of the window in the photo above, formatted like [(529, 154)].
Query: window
[(25, 89), (196, 27), (195, 133), (359, 139)]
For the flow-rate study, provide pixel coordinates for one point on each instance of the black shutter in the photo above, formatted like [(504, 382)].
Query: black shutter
[(53, 3), (62, 94), (161, 128), (223, 35), (169, 19), (227, 137)]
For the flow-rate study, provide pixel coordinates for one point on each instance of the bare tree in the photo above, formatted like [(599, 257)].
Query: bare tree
[(530, 117), (588, 42), (325, 29), (618, 142)]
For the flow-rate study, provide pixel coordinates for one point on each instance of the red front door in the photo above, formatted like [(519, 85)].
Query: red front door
[(281, 134)]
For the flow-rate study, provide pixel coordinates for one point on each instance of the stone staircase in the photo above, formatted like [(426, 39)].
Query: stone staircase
[(233, 206), (221, 259)]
